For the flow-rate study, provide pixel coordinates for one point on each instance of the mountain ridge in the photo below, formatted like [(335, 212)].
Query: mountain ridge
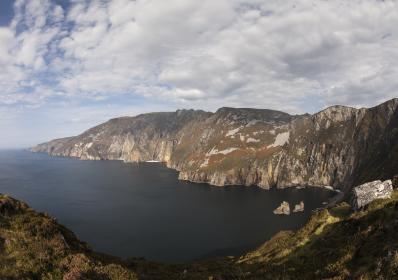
[(244, 146)]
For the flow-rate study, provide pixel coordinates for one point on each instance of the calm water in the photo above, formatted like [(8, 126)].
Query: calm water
[(144, 211)]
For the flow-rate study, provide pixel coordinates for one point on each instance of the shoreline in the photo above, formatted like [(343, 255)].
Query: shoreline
[(186, 180)]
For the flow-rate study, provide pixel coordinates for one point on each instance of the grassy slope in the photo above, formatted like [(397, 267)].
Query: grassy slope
[(334, 244), (34, 246)]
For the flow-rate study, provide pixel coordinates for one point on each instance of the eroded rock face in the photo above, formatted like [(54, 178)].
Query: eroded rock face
[(299, 207), (368, 192), (339, 146), (283, 209)]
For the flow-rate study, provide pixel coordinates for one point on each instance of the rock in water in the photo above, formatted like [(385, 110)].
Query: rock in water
[(395, 182), (299, 207), (366, 193), (283, 209)]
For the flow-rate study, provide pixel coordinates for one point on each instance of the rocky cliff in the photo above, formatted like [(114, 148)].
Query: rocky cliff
[(338, 146)]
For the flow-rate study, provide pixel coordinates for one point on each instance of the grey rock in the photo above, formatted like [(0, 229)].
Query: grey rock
[(368, 192)]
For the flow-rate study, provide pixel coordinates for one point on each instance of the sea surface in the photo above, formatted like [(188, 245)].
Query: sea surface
[(143, 210)]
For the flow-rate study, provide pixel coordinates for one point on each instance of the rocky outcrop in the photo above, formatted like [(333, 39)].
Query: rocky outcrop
[(283, 209), (368, 192), (339, 146), (299, 207)]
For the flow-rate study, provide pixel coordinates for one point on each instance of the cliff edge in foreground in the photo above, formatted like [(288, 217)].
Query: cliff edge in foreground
[(336, 243), (34, 246)]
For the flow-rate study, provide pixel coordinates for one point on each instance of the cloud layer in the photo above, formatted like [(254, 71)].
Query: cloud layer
[(297, 56)]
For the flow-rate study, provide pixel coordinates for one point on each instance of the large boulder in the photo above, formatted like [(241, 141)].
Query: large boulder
[(366, 193)]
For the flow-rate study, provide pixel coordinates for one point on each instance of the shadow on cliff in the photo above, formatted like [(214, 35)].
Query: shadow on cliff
[(380, 157)]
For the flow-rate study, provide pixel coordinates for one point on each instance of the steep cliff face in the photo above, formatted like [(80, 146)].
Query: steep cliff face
[(142, 138), (321, 150), (377, 144), (338, 146), (232, 147)]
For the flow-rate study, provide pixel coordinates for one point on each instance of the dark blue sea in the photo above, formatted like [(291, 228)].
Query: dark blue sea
[(132, 210)]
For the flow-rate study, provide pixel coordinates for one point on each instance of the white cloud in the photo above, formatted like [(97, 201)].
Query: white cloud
[(289, 55), (6, 43)]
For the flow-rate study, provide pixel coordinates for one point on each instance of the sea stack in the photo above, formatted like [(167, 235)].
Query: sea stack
[(283, 209), (299, 207)]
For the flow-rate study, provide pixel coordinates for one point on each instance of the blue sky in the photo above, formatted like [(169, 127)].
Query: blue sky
[(69, 65)]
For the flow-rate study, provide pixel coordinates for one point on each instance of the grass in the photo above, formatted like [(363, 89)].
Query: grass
[(336, 243), (35, 246)]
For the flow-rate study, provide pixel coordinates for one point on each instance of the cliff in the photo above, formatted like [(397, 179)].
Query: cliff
[(339, 146)]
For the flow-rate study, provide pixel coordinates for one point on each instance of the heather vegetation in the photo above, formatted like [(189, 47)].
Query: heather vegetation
[(35, 246)]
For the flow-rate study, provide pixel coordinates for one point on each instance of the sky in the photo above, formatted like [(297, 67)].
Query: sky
[(67, 65)]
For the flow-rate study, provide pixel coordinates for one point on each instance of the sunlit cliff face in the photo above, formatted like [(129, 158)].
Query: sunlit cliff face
[(339, 146)]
